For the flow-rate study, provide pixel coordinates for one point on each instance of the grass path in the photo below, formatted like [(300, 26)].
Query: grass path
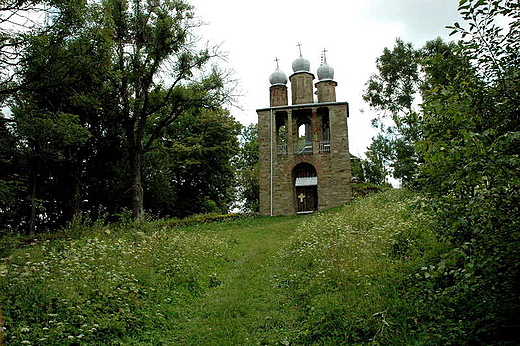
[(245, 307)]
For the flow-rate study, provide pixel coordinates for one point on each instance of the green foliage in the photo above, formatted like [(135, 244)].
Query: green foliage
[(190, 172), (154, 59), (48, 134), (470, 164), (87, 114), (58, 93), (356, 168), (392, 89), (101, 290), (8, 164), (246, 165), (339, 277), (392, 92), (471, 170), (467, 143), (375, 166), (346, 269)]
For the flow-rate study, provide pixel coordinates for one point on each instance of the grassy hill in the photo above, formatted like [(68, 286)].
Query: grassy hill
[(345, 276)]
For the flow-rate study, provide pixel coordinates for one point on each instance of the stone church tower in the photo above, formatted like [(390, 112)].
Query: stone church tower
[(304, 152)]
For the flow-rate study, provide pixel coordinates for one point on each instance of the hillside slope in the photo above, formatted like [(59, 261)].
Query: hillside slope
[(331, 278)]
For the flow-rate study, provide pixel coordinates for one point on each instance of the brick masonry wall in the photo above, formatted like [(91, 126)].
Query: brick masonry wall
[(333, 169), (302, 90), (278, 95), (326, 91)]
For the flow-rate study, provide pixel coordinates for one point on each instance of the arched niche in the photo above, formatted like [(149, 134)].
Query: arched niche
[(303, 144), (281, 132), (324, 137)]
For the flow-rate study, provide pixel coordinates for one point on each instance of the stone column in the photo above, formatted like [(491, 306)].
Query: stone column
[(290, 133), (326, 91), (278, 95), (319, 125), (301, 88), (264, 160), (315, 130)]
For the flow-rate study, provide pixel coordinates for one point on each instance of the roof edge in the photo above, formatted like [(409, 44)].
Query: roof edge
[(305, 105)]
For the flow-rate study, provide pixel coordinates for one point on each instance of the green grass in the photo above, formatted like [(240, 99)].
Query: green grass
[(243, 307), (332, 278)]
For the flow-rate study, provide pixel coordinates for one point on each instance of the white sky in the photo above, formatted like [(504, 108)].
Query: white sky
[(354, 33)]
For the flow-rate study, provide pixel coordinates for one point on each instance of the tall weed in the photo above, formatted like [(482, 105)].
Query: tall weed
[(102, 289), (346, 269)]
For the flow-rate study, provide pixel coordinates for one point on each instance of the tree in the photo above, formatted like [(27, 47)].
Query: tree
[(392, 92), (404, 76), (190, 172), (10, 182), (154, 75), (246, 165), (465, 135), (47, 137), (13, 14), (470, 129), (378, 157), (19, 21), (58, 71), (356, 165), (100, 90), (471, 108)]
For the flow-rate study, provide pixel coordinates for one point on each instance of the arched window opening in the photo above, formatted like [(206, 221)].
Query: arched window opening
[(304, 143), (281, 134), (325, 142)]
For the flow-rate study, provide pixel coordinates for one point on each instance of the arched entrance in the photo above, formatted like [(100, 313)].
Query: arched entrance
[(306, 188)]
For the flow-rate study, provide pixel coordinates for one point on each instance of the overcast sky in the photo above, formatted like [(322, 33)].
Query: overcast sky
[(254, 33)]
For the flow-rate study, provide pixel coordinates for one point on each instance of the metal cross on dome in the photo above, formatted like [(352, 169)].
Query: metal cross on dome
[(299, 45), (276, 59), (324, 56)]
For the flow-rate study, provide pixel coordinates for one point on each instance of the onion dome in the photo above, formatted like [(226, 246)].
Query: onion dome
[(325, 71), (278, 77), (301, 65)]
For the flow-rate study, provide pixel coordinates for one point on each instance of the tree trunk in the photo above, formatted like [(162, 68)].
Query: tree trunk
[(137, 187)]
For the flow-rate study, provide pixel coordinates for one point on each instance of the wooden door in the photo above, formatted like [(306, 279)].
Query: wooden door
[(306, 198)]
